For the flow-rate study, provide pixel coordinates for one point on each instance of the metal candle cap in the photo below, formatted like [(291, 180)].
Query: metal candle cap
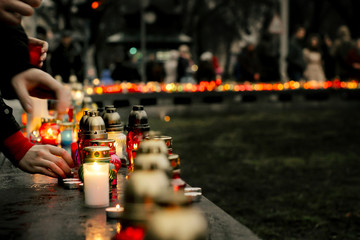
[(97, 154), (112, 120), (83, 120), (138, 119), (94, 126)]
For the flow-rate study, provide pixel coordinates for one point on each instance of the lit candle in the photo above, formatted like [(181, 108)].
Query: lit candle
[(114, 212), (96, 184)]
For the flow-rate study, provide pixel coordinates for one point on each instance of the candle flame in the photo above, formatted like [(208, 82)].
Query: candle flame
[(117, 206), (50, 133), (96, 166)]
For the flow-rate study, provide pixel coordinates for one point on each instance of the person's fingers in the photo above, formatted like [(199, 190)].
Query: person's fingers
[(20, 7), (45, 47), (43, 57), (53, 167), (33, 3), (22, 94), (63, 154), (60, 162), (63, 102), (45, 171), (10, 18), (40, 84)]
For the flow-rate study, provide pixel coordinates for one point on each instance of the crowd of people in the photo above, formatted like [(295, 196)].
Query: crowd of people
[(177, 67), (310, 57)]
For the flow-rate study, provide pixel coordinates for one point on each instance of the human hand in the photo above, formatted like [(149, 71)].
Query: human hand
[(37, 83), (34, 42), (12, 10), (48, 160)]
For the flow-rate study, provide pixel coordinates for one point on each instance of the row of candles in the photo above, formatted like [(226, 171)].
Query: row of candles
[(154, 192), (218, 85)]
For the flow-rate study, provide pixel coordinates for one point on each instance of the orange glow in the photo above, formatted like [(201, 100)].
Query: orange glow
[(268, 87), (219, 86), (168, 87), (118, 225), (75, 135), (193, 88), (50, 134), (167, 118), (136, 146), (24, 119), (95, 5), (98, 90), (352, 85)]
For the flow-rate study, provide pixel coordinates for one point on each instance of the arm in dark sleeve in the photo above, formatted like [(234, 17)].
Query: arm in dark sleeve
[(7, 121), (13, 143), (14, 57)]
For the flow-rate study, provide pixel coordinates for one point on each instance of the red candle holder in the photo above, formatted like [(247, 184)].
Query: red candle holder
[(49, 132), (34, 53)]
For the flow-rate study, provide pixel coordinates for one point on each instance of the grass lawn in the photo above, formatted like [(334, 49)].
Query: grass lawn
[(291, 174)]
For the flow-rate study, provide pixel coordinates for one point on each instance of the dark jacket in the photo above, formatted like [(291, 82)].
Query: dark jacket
[(295, 59), (14, 59)]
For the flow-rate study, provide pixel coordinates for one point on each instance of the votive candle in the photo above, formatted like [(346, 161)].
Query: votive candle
[(96, 184)]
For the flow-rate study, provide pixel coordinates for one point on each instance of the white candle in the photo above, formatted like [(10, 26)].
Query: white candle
[(96, 184), (114, 212)]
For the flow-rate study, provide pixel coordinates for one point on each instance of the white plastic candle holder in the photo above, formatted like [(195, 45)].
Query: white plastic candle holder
[(96, 184)]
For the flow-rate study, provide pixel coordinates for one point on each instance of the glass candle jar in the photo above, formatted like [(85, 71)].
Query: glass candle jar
[(49, 132), (66, 133)]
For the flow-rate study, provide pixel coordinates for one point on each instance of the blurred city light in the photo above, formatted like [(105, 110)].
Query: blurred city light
[(133, 50), (95, 4)]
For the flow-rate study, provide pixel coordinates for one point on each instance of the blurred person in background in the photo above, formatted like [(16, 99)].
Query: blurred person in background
[(249, 64), (184, 72), (20, 80), (313, 59), (328, 59), (353, 60), (269, 59), (154, 69), (206, 71), (125, 70), (295, 58), (339, 50), (170, 67), (66, 59)]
